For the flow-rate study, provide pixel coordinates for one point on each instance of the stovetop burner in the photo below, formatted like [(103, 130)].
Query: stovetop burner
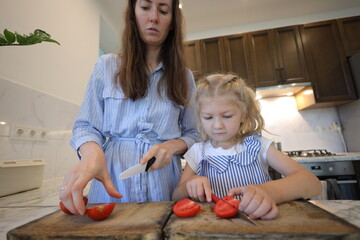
[(309, 153)]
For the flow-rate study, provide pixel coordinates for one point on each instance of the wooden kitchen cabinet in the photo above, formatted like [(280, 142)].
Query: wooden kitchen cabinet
[(193, 57), (328, 67), (350, 34), (212, 55), (277, 56), (222, 54), (238, 57)]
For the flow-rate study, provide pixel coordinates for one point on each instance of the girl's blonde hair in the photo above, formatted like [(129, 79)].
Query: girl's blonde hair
[(234, 88)]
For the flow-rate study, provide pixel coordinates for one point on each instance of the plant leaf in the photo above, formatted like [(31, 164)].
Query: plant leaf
[(2, 40), (10, 37), (21, 39)]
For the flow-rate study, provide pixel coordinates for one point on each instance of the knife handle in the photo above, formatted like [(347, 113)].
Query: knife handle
[(149, 163)]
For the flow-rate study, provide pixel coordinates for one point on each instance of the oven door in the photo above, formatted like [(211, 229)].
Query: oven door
[(341, 187)]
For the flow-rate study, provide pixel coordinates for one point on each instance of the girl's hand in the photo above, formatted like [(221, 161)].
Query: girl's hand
[(92, 165), (256, 202), (199, 188)]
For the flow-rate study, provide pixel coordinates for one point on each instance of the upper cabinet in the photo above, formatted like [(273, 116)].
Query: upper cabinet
[(314, 52), (238, 57), (213, 56), (328, 66), (277, 56), (193, 57), (350, 33)]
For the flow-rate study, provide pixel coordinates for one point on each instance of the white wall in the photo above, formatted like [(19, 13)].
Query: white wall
[(42, 85), (61, 71)]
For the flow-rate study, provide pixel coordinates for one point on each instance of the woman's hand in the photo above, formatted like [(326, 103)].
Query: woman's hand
[(164, 153), (92, 165), (199, 188), (256, 202)]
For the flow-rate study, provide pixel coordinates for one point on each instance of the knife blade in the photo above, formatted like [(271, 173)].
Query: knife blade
[(240, 213), (137, 169)]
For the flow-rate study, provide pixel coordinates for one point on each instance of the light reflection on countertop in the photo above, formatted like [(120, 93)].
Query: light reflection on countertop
[(21, 208)]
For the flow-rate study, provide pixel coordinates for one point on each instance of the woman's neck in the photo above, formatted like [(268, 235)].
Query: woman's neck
[(152, 58)]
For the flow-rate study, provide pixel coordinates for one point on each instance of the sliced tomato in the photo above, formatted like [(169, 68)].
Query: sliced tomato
[(224, 209), (186, 208), (67, 211), (100, 212)]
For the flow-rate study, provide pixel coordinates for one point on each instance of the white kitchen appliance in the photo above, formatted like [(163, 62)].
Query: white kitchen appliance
[(20, 175)]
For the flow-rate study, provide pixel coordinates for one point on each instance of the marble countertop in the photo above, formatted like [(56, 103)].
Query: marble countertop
[(21, 208), (350, 156)]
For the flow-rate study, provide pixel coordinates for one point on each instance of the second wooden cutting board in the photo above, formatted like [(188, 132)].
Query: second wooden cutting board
[(297, 220)]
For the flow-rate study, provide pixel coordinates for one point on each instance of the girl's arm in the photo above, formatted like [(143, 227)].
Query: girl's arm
[(259, 201), (297, 183)]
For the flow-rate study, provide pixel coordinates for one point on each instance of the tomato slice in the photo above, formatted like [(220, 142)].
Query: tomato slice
[(186, 208), (100, 212), (67, 211), (224, 210)]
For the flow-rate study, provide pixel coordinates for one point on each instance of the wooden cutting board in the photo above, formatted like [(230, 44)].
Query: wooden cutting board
[(297, 220), (127, 221)]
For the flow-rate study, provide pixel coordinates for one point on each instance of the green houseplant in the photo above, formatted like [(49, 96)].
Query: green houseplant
[(15, 39)]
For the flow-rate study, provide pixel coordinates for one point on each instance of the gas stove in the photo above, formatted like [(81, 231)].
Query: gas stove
[(309, 153)]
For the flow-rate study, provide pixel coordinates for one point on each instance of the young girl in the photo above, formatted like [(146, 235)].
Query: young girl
[(234, 158)]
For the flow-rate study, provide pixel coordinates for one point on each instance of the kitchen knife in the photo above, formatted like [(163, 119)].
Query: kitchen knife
[(240, 213), (137, 169)]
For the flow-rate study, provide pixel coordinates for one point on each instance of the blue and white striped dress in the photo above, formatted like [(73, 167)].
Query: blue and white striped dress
[(126, 129), (242, 165)]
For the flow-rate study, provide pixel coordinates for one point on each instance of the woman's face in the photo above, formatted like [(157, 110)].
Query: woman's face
[(153, 18)]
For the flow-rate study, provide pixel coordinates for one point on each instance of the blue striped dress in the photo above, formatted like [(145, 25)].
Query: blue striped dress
[(242, 165), (126, 129)]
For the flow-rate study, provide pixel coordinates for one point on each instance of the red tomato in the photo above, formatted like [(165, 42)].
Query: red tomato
[(100, 212), (186, 208), (67, 211), (224, 210)]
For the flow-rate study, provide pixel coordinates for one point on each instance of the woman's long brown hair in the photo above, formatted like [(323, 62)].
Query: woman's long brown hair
[(133, 74)]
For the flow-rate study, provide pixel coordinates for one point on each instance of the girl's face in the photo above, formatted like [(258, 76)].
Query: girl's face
[(220, 118), (153, 18)]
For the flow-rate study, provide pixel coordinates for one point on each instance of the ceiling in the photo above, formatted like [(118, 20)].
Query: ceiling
[(211, 17)]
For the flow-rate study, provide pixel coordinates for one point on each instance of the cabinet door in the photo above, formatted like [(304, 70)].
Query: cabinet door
[(212, 55), (329, 70), (192, 57), (350, 33), (263, 58), (238, 57), (290, 55)]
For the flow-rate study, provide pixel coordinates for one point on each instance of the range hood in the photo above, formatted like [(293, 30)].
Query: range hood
[(281, 90)]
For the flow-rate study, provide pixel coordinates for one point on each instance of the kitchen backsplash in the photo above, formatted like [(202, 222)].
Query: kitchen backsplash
[(21, 105), (300, 130)]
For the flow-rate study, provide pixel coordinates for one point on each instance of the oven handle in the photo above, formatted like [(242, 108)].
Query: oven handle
[(346, 181)]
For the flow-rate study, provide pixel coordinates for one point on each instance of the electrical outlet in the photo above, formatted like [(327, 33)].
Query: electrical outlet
[(27, 133)]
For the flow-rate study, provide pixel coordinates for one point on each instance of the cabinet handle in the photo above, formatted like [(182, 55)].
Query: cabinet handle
[(281, 74)]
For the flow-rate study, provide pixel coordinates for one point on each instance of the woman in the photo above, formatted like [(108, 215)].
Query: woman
[(146, 112)]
